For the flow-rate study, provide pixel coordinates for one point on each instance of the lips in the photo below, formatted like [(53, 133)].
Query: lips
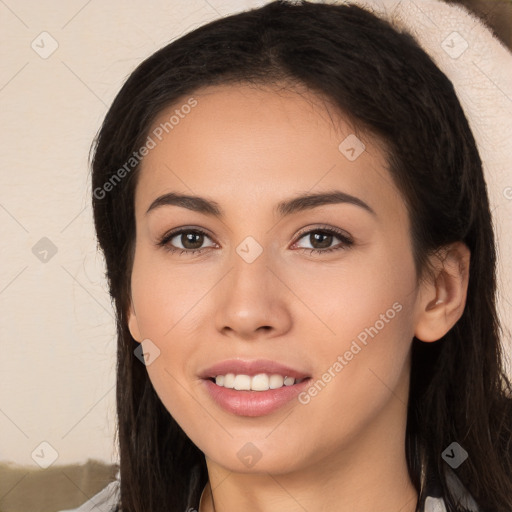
[(251, 368), (252, 403)]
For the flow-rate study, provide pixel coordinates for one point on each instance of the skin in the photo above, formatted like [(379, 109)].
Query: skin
[(248, 148)]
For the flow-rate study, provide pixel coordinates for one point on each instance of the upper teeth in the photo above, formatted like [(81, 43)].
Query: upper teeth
[(260, 382)]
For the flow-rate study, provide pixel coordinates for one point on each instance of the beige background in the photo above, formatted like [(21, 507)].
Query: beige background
[(57, 331)]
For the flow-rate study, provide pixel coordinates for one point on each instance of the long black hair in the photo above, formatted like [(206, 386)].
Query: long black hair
[(385, 83)]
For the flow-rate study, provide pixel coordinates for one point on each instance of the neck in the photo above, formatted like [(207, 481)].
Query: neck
[(368, 473), (280, 494)]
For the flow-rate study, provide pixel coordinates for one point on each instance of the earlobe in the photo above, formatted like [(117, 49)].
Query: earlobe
[(442, 299), (133, 326)]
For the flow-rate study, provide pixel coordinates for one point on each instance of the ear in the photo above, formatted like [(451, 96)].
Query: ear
[(133, 326), (442, 296)]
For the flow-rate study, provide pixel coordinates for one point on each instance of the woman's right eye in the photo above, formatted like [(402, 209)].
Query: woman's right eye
[(191, 241)]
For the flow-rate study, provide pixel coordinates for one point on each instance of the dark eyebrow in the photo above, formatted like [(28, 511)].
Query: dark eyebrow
[(195, 203), (308, 201), (296, 204)]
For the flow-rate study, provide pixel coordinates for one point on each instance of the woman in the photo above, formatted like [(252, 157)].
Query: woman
[(299, 247)]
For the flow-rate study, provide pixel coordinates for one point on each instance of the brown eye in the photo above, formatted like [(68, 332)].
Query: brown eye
[(191, 240), (186, 240), (321, 240)]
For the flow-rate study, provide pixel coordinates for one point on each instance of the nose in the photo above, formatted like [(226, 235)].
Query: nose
[(251, 301)]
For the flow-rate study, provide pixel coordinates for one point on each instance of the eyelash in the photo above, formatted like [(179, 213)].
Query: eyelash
[(346, 241)]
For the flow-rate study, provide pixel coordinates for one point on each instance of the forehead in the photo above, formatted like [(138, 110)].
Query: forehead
[(241, 142)]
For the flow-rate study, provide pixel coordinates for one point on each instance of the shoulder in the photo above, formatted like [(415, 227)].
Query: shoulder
[(460, 492), (435, 499), (104, 501)]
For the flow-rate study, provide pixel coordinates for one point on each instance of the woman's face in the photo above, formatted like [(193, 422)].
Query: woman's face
[(254, 289)]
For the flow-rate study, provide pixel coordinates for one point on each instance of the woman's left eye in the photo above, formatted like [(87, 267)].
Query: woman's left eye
[(191, 240), (320, 240)]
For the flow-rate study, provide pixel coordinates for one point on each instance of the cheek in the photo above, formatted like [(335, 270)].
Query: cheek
[(362, 370), (165, 314), (164, 296), (362, 344), (363, 291)]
